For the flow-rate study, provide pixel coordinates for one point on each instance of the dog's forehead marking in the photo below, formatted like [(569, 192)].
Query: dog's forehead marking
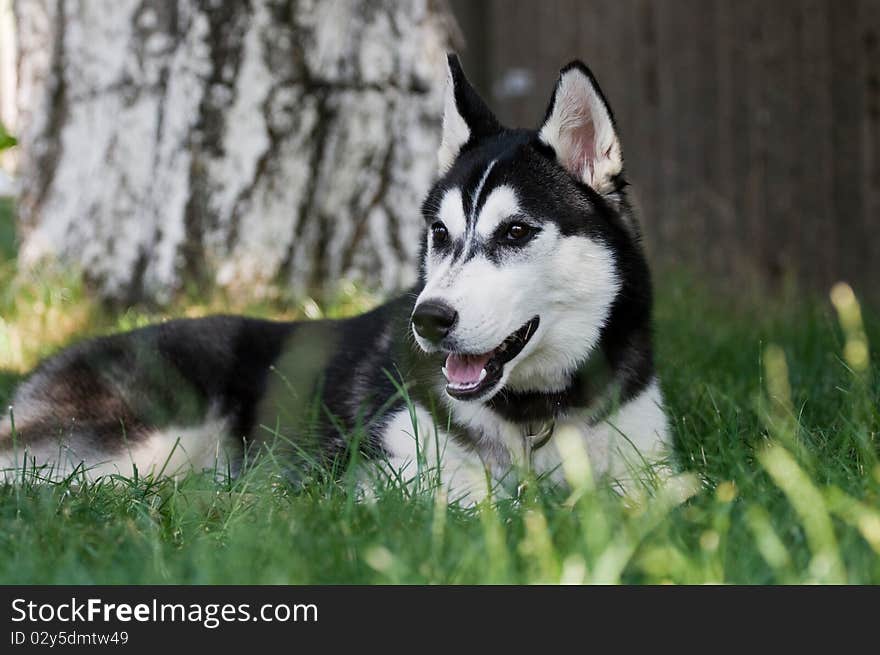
[(475, 207), (451, 213), (501, 204), (475, 200), (470, 223)]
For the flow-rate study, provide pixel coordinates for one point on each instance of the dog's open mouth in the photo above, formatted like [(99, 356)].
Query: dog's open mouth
[(468, 376)]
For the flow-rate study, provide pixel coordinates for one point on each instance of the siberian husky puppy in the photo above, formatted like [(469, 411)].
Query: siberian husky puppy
[(528, 332)]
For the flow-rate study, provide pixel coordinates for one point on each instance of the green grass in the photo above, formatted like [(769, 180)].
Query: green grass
[(7, 231), (776, 430)]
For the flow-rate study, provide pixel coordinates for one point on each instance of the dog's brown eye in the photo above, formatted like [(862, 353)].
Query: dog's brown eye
[(518, 231), (439, 234)]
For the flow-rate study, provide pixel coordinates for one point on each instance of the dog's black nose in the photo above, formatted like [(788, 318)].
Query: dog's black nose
[(433, 320)]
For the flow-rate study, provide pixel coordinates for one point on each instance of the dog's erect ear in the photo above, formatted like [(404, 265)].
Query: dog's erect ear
[(465, 116), (580, 129)]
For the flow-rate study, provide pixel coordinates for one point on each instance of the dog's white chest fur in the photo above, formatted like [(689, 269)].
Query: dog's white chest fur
[(620, 446)]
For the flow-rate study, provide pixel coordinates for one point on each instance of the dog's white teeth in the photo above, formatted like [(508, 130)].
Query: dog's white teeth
[(483, 375), (445, 373)]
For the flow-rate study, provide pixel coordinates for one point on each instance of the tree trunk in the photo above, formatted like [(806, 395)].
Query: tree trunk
[(228, 142)]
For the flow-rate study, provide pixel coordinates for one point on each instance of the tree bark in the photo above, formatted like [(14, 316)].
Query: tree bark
[(229, 142)]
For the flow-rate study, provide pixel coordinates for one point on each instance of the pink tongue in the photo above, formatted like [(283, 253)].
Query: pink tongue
[(465, 369)]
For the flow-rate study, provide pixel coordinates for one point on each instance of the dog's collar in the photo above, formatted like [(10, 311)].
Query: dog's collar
[(589, 388), (534, 438)]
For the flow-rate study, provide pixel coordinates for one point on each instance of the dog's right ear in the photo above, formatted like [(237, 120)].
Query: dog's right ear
[(466, 117), (580, 129)]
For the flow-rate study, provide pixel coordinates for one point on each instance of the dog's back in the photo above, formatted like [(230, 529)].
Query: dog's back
[(119, 397)]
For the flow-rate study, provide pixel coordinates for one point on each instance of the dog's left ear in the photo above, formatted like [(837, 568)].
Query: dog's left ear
[(580, 129), (466, 118)]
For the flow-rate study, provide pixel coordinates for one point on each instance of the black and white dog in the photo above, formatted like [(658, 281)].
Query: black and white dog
[(532, 319)]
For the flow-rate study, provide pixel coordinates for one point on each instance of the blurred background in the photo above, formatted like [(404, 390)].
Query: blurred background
[(241, 145), (751, 130)]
